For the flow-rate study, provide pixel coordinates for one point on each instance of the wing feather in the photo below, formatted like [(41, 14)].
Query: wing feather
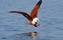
[(23, 13), (35, 9)]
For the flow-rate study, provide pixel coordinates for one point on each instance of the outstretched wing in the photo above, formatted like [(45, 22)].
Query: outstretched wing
[(23, 13), (35, 9)]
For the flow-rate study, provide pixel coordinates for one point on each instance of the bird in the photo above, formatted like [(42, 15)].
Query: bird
[(33, 16)]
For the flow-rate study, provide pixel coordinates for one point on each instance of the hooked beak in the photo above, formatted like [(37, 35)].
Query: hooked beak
[(38, 24)]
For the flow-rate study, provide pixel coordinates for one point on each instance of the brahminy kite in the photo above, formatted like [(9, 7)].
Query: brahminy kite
[(33, 16)]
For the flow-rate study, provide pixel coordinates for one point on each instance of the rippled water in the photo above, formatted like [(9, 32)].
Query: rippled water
[(12, 25)]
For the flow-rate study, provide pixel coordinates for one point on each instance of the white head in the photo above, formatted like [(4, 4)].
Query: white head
[(35, 20)]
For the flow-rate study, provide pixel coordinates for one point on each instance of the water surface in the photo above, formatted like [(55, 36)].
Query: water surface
[(12, 25)]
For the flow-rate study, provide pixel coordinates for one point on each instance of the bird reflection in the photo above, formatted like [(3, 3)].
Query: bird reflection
[(34, 35), (31, 35)]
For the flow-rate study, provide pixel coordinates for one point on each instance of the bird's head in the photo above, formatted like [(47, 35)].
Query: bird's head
[(34, 22)]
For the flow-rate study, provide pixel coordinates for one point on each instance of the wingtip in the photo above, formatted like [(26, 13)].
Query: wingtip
[(39, 3), (12, 11)]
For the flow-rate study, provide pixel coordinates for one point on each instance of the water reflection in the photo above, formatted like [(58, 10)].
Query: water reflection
[(30, 35), (34, 35)]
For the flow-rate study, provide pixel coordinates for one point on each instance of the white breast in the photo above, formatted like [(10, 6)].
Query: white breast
[(35, 20)]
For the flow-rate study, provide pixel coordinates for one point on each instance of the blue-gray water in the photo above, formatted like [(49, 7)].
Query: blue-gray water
[(12, 24)]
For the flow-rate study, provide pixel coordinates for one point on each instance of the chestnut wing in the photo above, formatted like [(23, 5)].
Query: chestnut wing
[(23, 13), (35, 9)]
